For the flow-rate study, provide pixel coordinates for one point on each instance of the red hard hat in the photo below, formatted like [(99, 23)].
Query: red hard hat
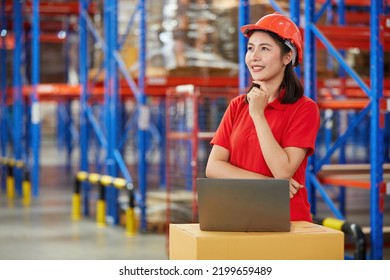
[(280, 25)]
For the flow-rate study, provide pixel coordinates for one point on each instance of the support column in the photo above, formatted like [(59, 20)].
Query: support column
[(83, 64), (35, 106), (111, 103), (243, 18), (143, 114), (377, 128), (18, 102)]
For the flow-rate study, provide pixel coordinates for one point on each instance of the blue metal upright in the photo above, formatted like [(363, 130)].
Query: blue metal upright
[(143, 114), (310, 84), (162, 129), (375, 95), (341, 17), (3, 92), (83, 64), (64, 112), (295, 15), (35, 106), (377, 129), (295, 11), (111, 102), (109, 137), (18, 102), (243, 18)]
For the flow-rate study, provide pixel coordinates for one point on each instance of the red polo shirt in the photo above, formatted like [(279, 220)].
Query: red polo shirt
[(293, 125)]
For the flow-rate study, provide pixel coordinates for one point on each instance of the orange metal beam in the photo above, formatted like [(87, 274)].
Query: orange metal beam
[(348, 87), (350, 175), (351, 92), (346, 183), (342, 104), (53, 8), (43, 37), (154, 87), (158, 86), (346, 37), (9, 42), (171, 81), (360, 3), (51, 38), (356, 18), (346, 83)]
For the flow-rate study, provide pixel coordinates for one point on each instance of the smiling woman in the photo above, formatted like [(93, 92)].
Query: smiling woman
[(270, 132)]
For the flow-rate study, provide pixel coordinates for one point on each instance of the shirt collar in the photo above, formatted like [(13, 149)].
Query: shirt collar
[(276, 103)]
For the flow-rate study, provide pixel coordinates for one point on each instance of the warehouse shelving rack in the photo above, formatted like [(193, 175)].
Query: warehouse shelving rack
[(374, 40), (4, 45), (108, 134), (158, 87), (109, 92), (335, 39), (82, 91), (146, 86), (192, 116), (17, 134), (22, 131)]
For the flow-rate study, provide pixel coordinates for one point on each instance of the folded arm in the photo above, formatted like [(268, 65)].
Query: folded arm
[(218, 166)]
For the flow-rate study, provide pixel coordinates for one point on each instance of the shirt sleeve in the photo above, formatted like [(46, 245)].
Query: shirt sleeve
[(222, 135), (303, 127)]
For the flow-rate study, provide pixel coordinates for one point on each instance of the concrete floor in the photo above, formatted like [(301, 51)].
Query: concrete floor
[(45, 231)]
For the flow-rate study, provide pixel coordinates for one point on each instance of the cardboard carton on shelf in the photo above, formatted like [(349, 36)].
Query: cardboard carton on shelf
[(305, 241)]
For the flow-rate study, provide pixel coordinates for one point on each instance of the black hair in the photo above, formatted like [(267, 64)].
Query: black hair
[(291, 82)]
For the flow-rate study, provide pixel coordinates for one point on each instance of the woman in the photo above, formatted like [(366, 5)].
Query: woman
[(271, 131)]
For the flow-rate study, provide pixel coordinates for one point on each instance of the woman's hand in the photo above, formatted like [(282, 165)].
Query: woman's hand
[(294, 187), (257, 99)]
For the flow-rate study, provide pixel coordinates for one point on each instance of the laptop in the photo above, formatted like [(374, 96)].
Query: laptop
[(243, 205)]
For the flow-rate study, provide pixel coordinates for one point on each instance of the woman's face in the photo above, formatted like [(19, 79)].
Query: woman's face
[(263, 58)]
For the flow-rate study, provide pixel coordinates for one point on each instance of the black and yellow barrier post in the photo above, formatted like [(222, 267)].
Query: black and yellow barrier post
[(19, 164), (10, 179), (121, 183), (26, 188), (104, 182), (3, 171), (76, 197), (352, 230), (131, 226)]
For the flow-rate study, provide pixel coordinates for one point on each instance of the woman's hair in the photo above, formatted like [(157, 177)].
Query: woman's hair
[(291, 82)]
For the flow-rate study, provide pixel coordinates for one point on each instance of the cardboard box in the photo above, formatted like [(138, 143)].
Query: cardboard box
[(305, 241)]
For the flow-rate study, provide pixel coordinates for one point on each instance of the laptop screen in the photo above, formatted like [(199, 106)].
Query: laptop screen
[(243, 205)]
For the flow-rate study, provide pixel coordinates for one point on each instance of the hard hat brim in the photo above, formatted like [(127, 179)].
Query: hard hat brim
[(246, 29)]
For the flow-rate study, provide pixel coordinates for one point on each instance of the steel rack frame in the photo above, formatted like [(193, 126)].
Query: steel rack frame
[(24, 101), (86, 93), (35, 104), (3, 90), (375, 93), (374, 40), (114, 161)]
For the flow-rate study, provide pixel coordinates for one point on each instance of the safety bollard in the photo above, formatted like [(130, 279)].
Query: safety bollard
[(131, 226), (130, 220), (10, 180), (76, 197), (103, 181), (26, 188), (353, 230), (94, 178), (101, 202)]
